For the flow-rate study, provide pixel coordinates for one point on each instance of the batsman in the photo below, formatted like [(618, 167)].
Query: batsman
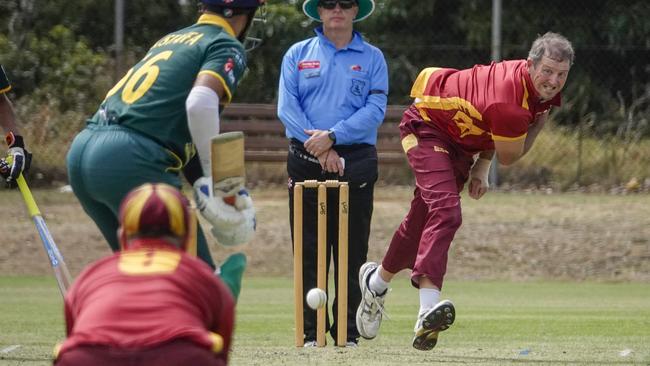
[(17, 159), (159, 121)]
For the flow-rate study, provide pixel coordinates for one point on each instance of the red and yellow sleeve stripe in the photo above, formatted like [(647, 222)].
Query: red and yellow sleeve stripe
[(420, 84)]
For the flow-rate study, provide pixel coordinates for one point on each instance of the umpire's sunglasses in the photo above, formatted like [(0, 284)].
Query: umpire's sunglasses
[(331, 4)]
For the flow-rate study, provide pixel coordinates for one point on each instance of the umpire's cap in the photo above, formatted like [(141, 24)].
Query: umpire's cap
[(156, 211), (366, 7)]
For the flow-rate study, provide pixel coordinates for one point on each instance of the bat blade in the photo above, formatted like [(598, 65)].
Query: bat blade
[(228, 167), (228, 156), (61, 272)]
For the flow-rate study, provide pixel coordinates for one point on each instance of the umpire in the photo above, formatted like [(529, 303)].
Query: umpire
[(332, 99)]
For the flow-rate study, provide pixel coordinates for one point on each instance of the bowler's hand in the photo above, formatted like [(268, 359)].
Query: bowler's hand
[(318, 142), (478, 178), (477, 188)]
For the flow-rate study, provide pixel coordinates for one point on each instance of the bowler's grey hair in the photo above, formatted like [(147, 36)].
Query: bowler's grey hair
[(552, 45)]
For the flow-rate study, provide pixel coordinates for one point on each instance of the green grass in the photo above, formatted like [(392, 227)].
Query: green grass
[(558, 159), (498, 323)]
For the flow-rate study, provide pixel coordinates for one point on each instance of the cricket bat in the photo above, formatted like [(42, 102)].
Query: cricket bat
[(61, 272), (228, 168)]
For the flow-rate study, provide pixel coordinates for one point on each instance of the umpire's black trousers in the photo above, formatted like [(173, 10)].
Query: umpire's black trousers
[(361, 173)]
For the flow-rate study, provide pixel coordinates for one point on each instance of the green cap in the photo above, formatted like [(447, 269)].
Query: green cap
[(366, 7)]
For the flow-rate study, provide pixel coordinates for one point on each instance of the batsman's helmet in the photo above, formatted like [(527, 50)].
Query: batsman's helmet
[(235, 3), (155, 211), (230, 8)]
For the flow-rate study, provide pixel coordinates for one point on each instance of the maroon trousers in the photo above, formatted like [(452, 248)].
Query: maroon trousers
[(175, 353), (422, 240)]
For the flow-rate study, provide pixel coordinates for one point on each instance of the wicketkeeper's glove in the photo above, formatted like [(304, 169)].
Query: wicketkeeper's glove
[(232, 224), (16, 161)]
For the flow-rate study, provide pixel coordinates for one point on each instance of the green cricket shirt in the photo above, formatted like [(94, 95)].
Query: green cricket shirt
[(150, 98)]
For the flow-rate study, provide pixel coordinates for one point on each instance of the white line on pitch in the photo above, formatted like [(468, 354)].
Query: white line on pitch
[(10, 348)]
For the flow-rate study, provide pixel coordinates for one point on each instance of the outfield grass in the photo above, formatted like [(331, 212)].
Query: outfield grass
[(498, 323)]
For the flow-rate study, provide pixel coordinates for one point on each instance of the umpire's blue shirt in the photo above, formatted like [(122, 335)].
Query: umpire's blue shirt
[(341, 90)]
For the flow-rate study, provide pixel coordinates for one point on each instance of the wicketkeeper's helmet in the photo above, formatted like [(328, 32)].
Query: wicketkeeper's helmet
[(156, 211)]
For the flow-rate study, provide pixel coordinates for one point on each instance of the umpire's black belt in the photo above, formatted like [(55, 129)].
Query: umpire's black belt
[(298, 150)]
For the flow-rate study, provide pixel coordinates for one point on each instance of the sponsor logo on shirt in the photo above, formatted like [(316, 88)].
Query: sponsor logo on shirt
[(355, 67), (230, 64), (312, 64), (228, 68), (239, 58)]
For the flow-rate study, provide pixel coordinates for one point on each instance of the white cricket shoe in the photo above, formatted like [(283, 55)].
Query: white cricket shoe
[(371, 308), (351, 344), (430, 323)]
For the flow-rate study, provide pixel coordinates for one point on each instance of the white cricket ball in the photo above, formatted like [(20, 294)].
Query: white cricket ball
[(316, 298)]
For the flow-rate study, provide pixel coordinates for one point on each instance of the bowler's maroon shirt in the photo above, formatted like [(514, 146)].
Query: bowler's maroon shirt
[(478, 106), (146, 296)]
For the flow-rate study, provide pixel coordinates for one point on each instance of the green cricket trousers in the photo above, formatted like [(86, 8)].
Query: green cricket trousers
[(105, 162)]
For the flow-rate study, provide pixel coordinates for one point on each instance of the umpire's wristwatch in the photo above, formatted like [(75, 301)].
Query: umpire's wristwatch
[(332, 136)]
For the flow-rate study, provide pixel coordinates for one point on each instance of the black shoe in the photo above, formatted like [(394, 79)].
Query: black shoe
[(429, 324)]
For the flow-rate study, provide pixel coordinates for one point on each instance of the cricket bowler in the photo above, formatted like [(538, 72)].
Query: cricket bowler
[(458, 121)]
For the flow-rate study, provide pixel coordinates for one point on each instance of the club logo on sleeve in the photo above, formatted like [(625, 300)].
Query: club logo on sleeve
[(308, 64)]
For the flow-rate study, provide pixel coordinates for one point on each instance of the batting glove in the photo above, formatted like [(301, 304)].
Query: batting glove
[(228, 186), (232, 224), (16, 161), (239, 234)]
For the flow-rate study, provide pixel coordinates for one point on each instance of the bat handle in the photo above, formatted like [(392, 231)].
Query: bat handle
[(27, 197)]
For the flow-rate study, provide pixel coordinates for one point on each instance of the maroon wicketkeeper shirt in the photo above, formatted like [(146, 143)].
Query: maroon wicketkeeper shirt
[(144, 297)]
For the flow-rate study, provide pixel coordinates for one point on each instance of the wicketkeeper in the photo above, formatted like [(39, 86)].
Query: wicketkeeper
[(152, 303), (159, 120)]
